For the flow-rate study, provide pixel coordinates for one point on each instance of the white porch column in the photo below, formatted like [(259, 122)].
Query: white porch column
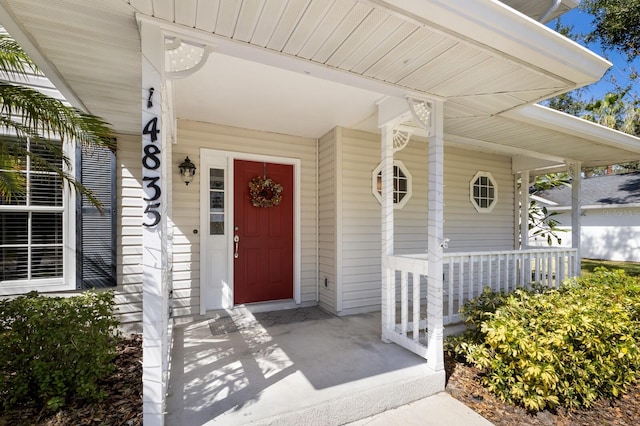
[(576, 212), (155, 298), (388, 299), (524, 209), (435, 356)]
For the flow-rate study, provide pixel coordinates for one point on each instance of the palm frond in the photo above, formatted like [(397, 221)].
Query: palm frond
[(12, 182), (49, 118), (13, 60)]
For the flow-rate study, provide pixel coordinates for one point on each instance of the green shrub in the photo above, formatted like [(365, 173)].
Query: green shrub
[(55, 348), (567, 347)]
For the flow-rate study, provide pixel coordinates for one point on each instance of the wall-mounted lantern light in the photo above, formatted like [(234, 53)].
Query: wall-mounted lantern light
[(187, 170)]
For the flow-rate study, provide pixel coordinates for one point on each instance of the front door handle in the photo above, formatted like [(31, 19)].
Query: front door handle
[(236, 240)]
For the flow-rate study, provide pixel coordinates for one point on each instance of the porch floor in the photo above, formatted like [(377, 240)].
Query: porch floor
[(295, 367)]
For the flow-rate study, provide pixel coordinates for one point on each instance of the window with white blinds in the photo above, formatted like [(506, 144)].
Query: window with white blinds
[(48, 240), (32, 240)]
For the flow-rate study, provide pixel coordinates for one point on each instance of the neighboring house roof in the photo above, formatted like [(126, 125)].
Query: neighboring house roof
[(607, 190)]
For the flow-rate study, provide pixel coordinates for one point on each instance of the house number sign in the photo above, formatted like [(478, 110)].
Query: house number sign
[(150, 165)]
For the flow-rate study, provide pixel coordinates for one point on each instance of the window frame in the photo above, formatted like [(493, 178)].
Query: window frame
[(472, 198), (409, 179), (68, 279)]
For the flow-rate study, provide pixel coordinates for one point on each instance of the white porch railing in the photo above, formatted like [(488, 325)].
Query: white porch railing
[(465, 275)]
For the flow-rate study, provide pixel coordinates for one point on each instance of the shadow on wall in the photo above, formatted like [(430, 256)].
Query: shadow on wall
[(611, 243)]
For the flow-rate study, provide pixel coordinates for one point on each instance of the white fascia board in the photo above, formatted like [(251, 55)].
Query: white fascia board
[(542, 200), (596, 207), (8, 21), (505, 30), (542, 116)]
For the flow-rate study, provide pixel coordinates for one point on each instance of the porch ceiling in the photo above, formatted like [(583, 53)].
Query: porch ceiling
[(314, 63)]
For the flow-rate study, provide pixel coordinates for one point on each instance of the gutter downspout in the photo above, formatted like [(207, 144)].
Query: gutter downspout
[(554, 6)]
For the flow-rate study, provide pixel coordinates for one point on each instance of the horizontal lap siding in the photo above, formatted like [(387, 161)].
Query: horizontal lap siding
[(129, 230), (327, 221), (186, 204), (360, 211), (466, 228)]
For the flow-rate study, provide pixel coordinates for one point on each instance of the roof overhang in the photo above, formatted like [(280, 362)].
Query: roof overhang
[(331, 62)]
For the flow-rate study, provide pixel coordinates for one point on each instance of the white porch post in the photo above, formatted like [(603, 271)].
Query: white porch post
[(524, 209), (575, 169), (435, 356), (155, 298), (387, 306)]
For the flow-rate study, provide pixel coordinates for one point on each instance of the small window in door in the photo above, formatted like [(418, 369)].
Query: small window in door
[(216, 201)]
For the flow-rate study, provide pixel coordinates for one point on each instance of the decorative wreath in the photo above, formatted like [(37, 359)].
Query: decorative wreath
[(264, 192)]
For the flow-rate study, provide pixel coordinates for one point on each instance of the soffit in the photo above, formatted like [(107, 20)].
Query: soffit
[(536, 9), (510, 133), (94, 49)]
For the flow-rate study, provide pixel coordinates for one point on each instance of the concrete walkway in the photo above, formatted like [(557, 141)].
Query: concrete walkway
[(438, 410), (301, 367)]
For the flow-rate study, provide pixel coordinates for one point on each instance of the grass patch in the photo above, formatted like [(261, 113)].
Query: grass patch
[(632, 269)]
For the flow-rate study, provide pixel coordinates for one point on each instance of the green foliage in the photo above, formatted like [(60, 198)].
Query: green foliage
[(541, 221), (52, 349), (616, 25), (567, 347), (27, 114)]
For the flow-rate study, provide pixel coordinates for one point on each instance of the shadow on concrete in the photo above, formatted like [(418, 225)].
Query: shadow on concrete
[(292, 366)]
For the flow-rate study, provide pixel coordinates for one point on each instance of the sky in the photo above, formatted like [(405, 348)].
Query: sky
[(582, 23)]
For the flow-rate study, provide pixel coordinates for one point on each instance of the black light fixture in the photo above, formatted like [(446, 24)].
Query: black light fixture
[(187, 170)]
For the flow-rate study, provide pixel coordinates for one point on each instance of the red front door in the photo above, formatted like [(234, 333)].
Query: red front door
[(263, 266)]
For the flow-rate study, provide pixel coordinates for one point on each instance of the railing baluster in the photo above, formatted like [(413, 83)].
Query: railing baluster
[(416, 306), (404, 301), (461, 285), (472, 285), (450, 286)]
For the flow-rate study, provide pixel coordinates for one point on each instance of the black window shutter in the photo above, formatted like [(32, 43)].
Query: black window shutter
[(95, 231)]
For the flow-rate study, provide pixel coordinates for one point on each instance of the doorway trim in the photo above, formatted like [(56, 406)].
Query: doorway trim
[(215, 158)]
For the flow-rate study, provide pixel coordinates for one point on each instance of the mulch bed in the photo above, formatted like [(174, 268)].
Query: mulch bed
[(121, 407), (463, 384)]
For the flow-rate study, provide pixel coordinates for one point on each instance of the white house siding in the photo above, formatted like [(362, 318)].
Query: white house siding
[(327, 232), (609, 233), (186, 204), (129, 231), (467, 229)]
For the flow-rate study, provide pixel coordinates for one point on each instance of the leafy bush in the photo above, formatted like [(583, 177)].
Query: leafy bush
[(567, 347), (55, 348)]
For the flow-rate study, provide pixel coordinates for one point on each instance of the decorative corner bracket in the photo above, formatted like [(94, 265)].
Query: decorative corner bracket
[(183, 58), (421, 113), (400, 140)]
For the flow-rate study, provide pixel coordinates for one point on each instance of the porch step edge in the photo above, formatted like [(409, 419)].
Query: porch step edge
[(342, 410)]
